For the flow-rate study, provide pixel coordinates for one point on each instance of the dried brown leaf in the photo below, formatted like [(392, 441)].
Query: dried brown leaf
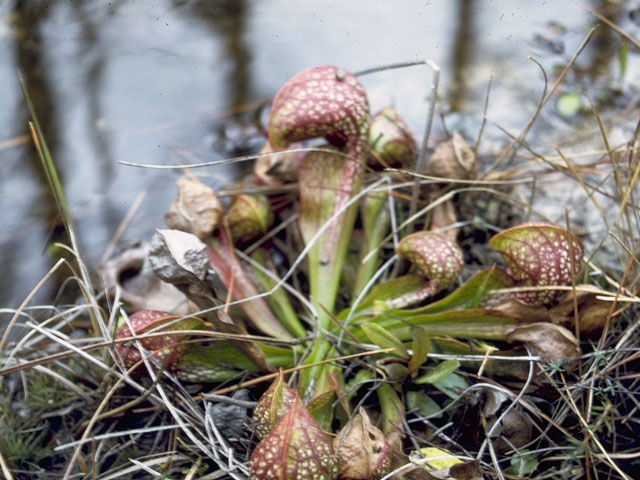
[(521, 311), (552, 343), (453, 159), (196, 209), (141, 290), (592, 312), (514, 429)]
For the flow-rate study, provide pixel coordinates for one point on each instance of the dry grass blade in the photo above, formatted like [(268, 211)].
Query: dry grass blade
[(5, 468), (615, 27), (590, 434), (61, 201), (25, 302), (519, 140)]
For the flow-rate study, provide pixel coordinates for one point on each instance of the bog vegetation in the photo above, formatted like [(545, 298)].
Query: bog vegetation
[(360, 308)]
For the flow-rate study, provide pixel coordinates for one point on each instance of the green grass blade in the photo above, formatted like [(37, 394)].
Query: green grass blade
[(53, 179)]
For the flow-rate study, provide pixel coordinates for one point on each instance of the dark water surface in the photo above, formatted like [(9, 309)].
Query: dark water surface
[(159, 82)]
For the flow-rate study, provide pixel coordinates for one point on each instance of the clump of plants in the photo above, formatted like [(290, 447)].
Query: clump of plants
[(342, 224), (374, 328)]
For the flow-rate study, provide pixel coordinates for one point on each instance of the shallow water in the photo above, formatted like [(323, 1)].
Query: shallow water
[(159, 83)]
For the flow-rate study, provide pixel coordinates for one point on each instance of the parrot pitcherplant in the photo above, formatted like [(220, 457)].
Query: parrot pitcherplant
[(273, 404), (323, 101), (166, 349), (390, 140), (436, 257), (248, 217), (538, 254), (296, 448)]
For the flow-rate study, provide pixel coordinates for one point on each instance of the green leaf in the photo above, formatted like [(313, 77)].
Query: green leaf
[(471, 294), (278, 300), (523, 464), (623, 52), (384, 339), (392, 408), (425, 405), (320, 408), (215, 363), (421, 345), (569, 104), (375, 223), (475, 323), (327, 181), (388, 290), (280, 356), (452, 386), (221, 361), (439, 372)]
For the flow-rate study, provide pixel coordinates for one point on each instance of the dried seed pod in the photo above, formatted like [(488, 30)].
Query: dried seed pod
[(444, 216), (391, 141), (248, 217), (322, 101), (295, 448), (273, 404), (195, 210), (361, 449), (166, 349), (539, 255), (453, 159)]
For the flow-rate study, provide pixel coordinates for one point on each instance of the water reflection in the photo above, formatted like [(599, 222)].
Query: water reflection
[(227, 21), (462, 54), (601, 55), (28, 50)]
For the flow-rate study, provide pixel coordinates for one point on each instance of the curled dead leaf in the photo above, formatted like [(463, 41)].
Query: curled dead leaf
[(140, 288), (248, 217), (362, 449), (514, 429), (552, 343), (453, 159), (521, 311), (592, 312), (196, 209), (390, 141)]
